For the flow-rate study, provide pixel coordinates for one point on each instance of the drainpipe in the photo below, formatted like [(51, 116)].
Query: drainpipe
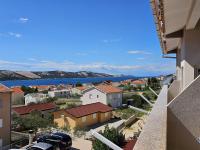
[(104, 140)]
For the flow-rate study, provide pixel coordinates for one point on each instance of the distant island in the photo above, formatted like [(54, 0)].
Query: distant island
[(25, 75)]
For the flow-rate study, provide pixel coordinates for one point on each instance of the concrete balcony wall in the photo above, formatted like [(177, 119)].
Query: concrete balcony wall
[(173, 90), (153, 135), (183, 119)]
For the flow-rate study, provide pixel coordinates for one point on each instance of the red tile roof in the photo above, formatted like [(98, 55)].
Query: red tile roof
[(4, 88), (88, 109), (138, 82), (41, 87), (17, 90), (108, 89), (22, 110)]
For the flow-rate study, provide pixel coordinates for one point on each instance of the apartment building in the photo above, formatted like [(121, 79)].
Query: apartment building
[(5, 116), (174, 121)]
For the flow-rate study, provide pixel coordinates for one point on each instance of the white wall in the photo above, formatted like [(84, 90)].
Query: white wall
[(189, 56), (35, 99), (59, 93), (94, 95)]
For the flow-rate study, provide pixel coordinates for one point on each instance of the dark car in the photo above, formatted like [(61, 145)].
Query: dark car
[(61, 140)]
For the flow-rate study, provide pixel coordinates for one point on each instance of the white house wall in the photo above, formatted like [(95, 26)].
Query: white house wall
[(94, 96)]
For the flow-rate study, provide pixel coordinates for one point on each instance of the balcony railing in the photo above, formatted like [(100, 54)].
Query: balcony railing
[(173, 90), (153, 135)]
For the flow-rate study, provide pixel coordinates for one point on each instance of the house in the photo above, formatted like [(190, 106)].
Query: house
[(42, 88), (83, 116), (78, 90), (17, 96), (35, 98), (64, 93), (5, 116), (138, 83), (106, 94), (42, 107)]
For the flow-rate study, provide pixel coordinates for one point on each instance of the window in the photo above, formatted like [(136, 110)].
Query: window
[(83, 119), (1, 142), (94, 116), (1, 123), (90, 96), (97, 96)]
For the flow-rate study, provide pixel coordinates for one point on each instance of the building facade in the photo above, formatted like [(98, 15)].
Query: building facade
[(64, 93), (5, 116), (105, 94), (83, 116), (174, 121), (17, 96), (35, 98), (78, 90)]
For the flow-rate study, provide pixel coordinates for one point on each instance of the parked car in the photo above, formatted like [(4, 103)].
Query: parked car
[(41, 146), (61, 140)]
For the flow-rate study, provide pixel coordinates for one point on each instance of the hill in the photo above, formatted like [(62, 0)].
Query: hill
[(24, 75)]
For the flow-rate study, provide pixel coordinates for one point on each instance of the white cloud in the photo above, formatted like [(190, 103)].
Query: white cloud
[(23, 19), (66, 66), (46, 65), (138, 52), (17, 35)]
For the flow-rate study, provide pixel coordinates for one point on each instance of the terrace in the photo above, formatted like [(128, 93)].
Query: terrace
[(153, 135)]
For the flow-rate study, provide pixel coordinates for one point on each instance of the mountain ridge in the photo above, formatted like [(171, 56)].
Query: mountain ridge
[(24, 75)]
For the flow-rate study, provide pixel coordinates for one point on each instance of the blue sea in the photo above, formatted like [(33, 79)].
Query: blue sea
[(58, 81)]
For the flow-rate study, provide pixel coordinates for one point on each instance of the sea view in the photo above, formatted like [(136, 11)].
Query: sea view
[(100, 75), (58, 81)]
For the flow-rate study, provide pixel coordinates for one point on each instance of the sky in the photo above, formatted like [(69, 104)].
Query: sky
[(109, 36)]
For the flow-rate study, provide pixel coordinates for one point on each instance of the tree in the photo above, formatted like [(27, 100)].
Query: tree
[(153, 83), (33, 121), (79, 84), (50, 99), (27, 90), (111, 134)]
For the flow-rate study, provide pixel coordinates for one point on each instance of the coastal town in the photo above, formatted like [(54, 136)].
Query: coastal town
[(88, 75), (78, 109)]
